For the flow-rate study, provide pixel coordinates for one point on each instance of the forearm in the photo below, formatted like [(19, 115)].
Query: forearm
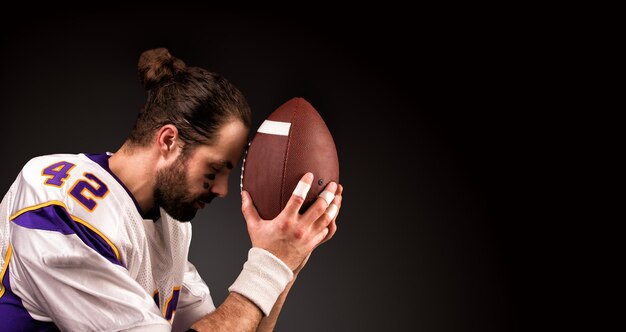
[(237, 313), (268, 323), (255, 292)]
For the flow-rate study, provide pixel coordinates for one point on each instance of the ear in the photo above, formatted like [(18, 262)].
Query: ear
[(167, 139)]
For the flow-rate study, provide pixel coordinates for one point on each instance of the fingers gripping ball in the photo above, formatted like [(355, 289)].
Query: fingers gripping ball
[(292, 141)]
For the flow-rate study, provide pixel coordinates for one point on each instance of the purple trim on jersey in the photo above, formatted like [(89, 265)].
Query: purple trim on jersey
[(14, 315), (171, 306), (55, 218), (156, 299), (102, 159)]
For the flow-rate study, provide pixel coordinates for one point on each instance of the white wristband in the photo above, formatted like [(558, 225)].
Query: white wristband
[(262, 280)]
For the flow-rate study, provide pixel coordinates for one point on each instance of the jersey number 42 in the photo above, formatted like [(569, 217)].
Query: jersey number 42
[(85, 190)]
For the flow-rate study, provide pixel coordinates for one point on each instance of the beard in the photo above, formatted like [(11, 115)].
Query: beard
[(171, 192)]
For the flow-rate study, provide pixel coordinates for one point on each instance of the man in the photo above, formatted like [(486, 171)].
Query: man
[(100, 241)]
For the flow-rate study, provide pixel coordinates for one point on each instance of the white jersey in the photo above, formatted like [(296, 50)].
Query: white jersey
[(77, 254)]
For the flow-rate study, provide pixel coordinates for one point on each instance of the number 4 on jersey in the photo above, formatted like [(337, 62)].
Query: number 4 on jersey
[(57, 173)]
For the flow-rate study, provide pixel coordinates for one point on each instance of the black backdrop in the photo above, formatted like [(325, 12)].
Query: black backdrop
[(419, 112)]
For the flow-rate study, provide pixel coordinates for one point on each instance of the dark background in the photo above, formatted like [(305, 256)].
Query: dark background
[(421, 111)]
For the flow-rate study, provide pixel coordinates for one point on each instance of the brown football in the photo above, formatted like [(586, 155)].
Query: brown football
[(293, 140)]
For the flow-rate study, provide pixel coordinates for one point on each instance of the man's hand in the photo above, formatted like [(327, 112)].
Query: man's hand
[(332, 228), (290, 236)]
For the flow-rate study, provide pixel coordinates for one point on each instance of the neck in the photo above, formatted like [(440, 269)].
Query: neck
[(137, 173)]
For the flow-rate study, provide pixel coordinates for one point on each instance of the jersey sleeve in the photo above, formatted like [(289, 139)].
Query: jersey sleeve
[(65, 272), (195, 300)]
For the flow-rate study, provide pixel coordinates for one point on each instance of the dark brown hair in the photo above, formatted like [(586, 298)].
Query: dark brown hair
[(193, 99)]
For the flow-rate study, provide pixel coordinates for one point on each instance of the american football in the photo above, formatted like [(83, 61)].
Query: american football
[(293, 140)]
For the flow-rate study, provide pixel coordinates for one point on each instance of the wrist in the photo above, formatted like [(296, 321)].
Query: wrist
[(262, 280)]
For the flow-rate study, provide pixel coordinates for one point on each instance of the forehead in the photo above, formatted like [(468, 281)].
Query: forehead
[(230, 142)]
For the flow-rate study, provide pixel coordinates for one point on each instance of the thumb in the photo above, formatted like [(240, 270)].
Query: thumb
[(248, 209)]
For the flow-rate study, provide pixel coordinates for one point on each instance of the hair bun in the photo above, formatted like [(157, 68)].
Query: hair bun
[(157, 66)]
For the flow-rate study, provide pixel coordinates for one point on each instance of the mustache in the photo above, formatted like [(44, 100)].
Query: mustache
[(207, 198)]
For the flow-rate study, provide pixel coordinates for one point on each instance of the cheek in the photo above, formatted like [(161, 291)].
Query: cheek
[(194, 178), (195, 183)]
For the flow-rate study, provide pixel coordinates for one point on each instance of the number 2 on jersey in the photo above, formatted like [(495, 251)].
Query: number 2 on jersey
[(79, 187), (57, 173)]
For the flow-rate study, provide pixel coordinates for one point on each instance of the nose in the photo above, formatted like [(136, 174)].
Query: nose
[(220, 186)]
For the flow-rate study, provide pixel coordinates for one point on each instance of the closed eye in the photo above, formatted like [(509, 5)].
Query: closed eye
[(219, 166)]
